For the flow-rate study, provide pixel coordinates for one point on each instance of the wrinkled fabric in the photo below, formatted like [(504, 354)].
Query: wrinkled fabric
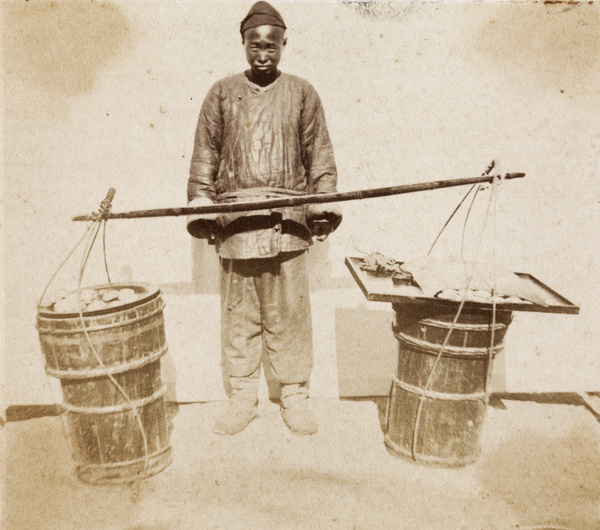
[(273, 139), (267, 300), (262, 233)]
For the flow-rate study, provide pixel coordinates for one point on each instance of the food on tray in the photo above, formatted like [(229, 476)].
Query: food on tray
[(380, 265), (470, 295), (435, 276), (457, 280)]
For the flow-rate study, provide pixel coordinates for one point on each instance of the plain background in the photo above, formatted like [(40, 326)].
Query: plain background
[(107, 94)]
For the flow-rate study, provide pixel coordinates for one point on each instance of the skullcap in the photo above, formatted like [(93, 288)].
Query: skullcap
[(261, 14)]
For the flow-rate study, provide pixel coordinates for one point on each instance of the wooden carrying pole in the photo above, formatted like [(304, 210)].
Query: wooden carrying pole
[(229, 207)]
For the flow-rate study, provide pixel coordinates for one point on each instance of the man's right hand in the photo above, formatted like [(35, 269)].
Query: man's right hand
[(203, 226)]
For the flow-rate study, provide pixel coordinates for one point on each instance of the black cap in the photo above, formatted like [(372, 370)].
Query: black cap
[(261, 14)]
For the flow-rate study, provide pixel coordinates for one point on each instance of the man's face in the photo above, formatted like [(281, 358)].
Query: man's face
[(263, 46)]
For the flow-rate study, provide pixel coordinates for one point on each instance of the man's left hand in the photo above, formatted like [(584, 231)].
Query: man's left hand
[(323, 219)]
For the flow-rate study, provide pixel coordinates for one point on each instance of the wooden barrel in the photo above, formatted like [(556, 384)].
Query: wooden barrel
[(453, 405), (110, 374)]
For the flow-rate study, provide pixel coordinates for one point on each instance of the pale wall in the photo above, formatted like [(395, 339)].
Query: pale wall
[(100, 95)]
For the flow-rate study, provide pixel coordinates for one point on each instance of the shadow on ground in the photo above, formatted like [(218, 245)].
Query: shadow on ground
[(546, 479)]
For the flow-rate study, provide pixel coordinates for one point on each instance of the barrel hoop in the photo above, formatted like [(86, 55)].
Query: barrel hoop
[(444, 396), (126, 463), (105, 371), (450, 350), (119, 324), (431, 459), (462, 326), (132, 404)]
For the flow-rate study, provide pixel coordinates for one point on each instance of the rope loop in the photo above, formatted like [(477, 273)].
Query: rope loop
[(444, 345), (98, 221)]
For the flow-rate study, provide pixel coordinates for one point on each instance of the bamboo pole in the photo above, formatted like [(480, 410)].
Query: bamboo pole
[(229, 207)]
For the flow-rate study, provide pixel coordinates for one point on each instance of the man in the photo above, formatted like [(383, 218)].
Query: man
[(262, 134)]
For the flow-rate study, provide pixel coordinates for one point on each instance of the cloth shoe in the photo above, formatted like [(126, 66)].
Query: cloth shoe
[(242, 406), (296, 411)]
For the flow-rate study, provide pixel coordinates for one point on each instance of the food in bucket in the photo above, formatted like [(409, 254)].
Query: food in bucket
[(69, 305), (109, 295), (127, 295), (88, 295), (96, 305), (89, 299)]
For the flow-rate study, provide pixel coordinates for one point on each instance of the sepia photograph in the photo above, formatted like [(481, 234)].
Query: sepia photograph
[(300, 264)]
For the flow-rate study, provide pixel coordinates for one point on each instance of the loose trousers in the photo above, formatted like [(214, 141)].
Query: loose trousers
[(265, 303)]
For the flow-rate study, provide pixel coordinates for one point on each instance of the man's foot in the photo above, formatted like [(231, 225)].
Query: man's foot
[(235, 419), (299, 418), (295, 409), (242, 405)]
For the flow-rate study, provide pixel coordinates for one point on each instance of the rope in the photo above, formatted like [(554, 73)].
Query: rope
[(486, 172), (86, 255), (107, 372), (462, 242), (89, 227), (495, 191), (450, 330), (452, 215), (92, 230), (445, 396), (104, 250), (51, 391)]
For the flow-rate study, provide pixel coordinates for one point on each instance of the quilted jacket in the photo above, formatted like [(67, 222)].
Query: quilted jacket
[(253, 143)]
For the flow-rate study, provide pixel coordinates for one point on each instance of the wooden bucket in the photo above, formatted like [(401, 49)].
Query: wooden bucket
[(453, 406), (117, 435)]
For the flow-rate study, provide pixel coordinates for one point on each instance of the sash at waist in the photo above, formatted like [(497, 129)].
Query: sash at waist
[(257, 194)]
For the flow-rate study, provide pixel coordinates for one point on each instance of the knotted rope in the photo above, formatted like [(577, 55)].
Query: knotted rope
[(91, 233), (427, 389)]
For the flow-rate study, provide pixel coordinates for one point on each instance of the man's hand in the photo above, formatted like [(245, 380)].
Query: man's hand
[(323, 219), (203, 226)]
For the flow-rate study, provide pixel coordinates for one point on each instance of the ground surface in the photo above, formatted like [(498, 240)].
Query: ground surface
[(539, 467)]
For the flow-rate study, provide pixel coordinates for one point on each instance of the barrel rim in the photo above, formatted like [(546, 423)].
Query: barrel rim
[(152, 289), (436, 322), (155, 306)]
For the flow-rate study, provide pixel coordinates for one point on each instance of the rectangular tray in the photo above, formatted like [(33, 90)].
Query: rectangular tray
[(383, 289)]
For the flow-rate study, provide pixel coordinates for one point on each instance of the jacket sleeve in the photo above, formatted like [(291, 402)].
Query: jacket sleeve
[(316, 147), (207, 148)]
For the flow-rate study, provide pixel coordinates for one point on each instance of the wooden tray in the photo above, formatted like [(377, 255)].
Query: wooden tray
[(383, 289)]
